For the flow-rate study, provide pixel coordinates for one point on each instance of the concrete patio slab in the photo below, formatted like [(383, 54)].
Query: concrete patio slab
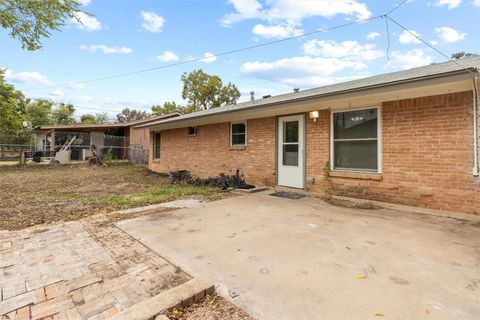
[(305, 259)]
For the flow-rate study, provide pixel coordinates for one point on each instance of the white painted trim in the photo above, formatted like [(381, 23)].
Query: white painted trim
[(302, 143), (475, 172), (379, 140), (231, 133)]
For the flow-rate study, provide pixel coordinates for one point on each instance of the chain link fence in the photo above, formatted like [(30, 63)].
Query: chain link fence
[(38, 147)]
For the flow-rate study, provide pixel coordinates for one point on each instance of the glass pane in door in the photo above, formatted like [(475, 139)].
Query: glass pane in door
[(290, 131), (290, 154)]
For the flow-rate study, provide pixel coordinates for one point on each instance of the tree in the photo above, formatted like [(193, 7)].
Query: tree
[(170, 107), (462, 54), (63, 114), (128, 115), (30, 20), (167, 108), (204, 91), (101, 117), (39, 112), (12, 111), (88, 119)]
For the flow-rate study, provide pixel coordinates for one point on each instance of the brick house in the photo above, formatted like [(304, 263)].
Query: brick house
[(408, 137)]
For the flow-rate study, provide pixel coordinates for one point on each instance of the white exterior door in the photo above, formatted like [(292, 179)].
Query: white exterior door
[(290, 146)]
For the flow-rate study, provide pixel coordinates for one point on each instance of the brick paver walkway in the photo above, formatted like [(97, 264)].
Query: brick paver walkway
[(77, 270)]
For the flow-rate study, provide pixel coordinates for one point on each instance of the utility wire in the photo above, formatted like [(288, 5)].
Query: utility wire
[(430, 46), (263, 44), (396, 7), (388, 37)]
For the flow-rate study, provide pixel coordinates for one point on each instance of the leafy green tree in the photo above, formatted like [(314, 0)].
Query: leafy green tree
[(88, 119), (204, 91), (462, 54), (39, 112), (129, 115), (170, 107), (30, 20), (167, 108), (12, 112), (63, 113), (101, 117)]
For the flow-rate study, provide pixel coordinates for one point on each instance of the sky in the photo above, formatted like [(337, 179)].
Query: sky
[(123, 36)]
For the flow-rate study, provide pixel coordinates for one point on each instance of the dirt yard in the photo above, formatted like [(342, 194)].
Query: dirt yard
[(33, 195), (213, 307)]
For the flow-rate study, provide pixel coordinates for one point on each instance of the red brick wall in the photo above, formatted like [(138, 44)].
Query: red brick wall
[(427, 154), (209, 153)]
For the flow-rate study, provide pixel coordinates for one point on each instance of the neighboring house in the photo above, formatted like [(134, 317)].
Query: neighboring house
[(408, 137), (121, 139)]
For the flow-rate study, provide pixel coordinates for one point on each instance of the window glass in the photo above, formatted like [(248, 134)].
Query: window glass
[(238, 128), (238, 139), (192, 131), (238, 131), (358, 155), (355, 124), (290, 131), (355, 140), (157, 145), (290, 154)]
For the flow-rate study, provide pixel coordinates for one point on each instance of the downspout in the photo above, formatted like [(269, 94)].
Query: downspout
[(475, 170)]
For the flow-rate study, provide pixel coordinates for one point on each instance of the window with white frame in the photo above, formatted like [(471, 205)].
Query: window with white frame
[(238, 133), (192, 131), (156, 145), (355, 140)]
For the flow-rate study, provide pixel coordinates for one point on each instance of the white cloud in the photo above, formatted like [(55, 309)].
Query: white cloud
[(152, 22), (106, 49), (81, 99), (409, 59), (373, 35), (209, 57), (245, 9), (276, 31), (448, 34), (302, 71), (84, 2), (86, 22), (167, 56), (27, 77), (293, 12), (349, 50), (76, 86), (476, 3), (407, 37), (450, 3), (57, 93)]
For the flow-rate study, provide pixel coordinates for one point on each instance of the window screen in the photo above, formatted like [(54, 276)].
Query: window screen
[(192, 131), (238, 133), (156, 154), (355, 140)]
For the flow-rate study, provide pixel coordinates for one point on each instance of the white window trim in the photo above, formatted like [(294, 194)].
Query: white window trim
[(379, 141), (231, 134), (154, 146), (196, 131)]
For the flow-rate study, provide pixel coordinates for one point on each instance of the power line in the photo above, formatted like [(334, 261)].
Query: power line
[(263, 44), (430, 45), (396, 7)]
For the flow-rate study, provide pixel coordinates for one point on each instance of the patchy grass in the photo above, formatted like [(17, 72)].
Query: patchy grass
[(39, 194)]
